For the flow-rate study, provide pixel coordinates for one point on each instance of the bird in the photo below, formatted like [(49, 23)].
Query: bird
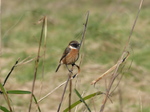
[(70, 55)]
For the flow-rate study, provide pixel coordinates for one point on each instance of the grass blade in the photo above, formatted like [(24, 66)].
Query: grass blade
[(18, 92), (85, 98), (36, 103), (78, 94), (4, 109)]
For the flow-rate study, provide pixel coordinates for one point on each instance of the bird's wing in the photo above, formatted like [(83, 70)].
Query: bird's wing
[(67, 50)]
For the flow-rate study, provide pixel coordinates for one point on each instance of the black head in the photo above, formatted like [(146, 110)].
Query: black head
[(74, 44)]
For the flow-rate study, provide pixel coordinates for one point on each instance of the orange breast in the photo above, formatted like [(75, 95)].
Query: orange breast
[(72, 57)]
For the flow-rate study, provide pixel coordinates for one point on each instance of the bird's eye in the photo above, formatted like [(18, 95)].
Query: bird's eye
[(74, 45)]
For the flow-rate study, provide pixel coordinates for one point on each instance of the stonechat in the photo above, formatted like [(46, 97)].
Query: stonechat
[(70, 55)]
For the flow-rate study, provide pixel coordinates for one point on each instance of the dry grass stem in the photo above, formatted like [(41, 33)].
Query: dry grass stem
[(58, 110), (120, 99), (52, 91), (70, 91), (37, 63), (27, 60), (44, 55), (85, 27), (111, 69)]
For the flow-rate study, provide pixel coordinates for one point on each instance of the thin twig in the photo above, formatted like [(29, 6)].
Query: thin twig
[(63, 93), (70, 90), (111, 69), (104, 74), (120, 99), (85, 27), (7, 32), (70, 93), (52, 91), (133, 26), (27, 60), (118, 82), (44, 55), (24, 61), (70, 85), (36, 63)]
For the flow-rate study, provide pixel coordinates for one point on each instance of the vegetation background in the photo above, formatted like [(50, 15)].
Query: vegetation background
[(108, 29)]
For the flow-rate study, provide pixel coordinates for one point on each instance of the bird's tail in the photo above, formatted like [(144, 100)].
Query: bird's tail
[(57, 67)]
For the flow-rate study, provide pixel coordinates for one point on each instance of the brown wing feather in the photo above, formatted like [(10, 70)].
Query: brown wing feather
[(67, 50)]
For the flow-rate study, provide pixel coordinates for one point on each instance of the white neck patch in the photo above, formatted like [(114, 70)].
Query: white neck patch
[(72, 47)]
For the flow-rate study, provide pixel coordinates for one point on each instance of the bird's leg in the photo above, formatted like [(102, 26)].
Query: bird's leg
[(69, 70), (78, 70)]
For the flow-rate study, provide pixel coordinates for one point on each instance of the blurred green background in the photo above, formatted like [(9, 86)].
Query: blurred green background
[(109, 26)]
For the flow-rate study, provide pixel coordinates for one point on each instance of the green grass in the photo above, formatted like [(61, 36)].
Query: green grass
[(141, 58)]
